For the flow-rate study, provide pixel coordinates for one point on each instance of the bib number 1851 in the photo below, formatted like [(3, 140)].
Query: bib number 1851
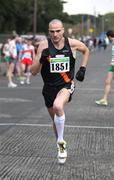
[(59, 65)]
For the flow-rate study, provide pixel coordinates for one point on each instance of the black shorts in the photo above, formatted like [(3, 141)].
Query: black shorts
[(12, 61), (50, 93)]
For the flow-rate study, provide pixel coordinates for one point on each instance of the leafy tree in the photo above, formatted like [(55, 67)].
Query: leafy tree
[(48, 10), (19, 14)]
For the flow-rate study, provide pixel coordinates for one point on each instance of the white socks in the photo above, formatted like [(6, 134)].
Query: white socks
[(59, 123)]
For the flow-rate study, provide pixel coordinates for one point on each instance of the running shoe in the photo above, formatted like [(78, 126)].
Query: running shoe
[(28, 81), (12, 85), (22, 80), (62, 152), (102, 102)]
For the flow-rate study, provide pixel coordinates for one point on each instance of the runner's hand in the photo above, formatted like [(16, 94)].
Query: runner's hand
[(81, 73)]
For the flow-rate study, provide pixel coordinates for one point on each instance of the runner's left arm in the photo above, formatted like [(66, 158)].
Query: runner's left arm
[(79, 46)]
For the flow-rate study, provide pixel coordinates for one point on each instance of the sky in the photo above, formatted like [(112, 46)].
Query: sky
[(93, 7)]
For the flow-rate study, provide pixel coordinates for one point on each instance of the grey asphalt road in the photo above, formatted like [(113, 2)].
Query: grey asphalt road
[(27, 143)]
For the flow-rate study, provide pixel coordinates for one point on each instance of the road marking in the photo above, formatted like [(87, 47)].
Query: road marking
[(21, 88), (14, 100), (78, 88), (40, 87), (49, 125), (5, 115)]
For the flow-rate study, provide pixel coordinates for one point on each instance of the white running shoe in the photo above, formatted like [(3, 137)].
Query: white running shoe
[(22, 82), (27, 81), (62, 152), (12, 85)]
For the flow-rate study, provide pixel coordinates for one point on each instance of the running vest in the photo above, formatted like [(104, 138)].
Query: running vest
[(58, 66), (27, 51), (112, 52)]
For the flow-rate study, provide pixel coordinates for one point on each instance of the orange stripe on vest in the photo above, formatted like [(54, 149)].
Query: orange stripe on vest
[(65, 77), (49, 58)]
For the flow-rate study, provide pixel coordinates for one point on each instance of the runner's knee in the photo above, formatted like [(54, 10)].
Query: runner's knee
[(57, 107), (108, 81)]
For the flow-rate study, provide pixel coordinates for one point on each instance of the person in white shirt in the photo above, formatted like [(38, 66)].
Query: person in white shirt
[(12, 61), (6, 54), (27, 54)]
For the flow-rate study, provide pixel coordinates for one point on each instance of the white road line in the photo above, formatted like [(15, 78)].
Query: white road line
[(14, 100), (35, 87), (49, 125), (21, 88)]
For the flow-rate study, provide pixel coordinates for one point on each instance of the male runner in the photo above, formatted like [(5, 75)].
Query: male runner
[(110, 76), (57, 65)]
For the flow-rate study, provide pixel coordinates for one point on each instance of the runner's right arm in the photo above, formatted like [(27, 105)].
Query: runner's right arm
[(36, 66)]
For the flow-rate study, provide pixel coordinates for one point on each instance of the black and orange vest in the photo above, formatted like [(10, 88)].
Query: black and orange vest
[(58, 66)]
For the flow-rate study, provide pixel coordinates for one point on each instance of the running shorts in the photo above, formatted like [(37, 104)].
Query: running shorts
[(111, 69), (7, 59), (26, 61), (50, 93), (12, 60)]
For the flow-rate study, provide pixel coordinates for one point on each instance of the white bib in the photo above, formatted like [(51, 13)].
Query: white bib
[(59, 64)]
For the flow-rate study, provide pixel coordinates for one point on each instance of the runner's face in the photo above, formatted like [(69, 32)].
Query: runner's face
[(56, 32), (29, 42), (111, 39)]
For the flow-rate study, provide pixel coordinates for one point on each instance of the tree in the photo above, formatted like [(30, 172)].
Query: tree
[(18, 14), (48, 10)]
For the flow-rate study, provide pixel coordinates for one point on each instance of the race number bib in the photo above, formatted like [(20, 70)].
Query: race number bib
[(58, 65), (27, 55)]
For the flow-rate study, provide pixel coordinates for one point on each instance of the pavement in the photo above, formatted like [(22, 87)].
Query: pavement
[(27, 142)]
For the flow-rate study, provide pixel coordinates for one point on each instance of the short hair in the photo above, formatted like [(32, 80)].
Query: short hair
[(110, 33), (53, 21)]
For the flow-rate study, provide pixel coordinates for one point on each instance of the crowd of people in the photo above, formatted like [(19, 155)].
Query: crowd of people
[(18, 55), (95, 43)]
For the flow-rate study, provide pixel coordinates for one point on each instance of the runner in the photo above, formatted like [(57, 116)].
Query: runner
[(6, 54), (26, 55), (55, 60), (110, 76), (12, 62)]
